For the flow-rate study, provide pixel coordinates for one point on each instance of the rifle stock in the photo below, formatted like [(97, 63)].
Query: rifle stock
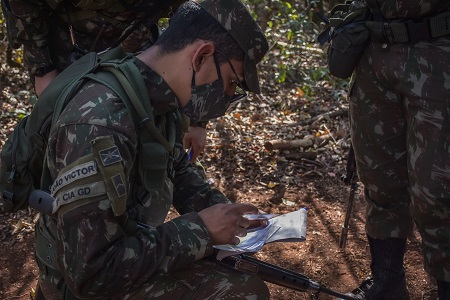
[(277, 275)]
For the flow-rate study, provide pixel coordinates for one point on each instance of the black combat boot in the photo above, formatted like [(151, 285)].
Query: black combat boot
[(388, 280), (443, 290)]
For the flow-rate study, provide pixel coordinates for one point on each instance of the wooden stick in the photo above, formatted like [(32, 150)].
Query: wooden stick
[(284, 144)]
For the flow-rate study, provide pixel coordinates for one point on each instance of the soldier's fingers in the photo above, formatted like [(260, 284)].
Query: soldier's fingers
[(257, 223), (241, 232), (244, 222), (246, 208)]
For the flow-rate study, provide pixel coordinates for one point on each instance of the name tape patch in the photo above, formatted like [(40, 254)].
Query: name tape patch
[(80, 192), (78, 172)]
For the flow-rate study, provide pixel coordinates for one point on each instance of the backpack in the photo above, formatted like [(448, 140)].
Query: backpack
[(22, 159), (348, 36)]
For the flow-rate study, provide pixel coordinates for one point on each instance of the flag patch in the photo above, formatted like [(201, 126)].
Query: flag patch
[(110, 156)]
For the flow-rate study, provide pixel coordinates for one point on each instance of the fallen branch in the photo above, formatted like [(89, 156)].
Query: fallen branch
[(284, 144)]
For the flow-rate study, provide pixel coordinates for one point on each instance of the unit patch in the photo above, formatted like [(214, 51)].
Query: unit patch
[(110, 156), (78, 172), (119, 185), (80, 192)]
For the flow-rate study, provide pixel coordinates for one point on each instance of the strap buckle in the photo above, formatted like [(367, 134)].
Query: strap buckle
[(418, 31), (8, 195)]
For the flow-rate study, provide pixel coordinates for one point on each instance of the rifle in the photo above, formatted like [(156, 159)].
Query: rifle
[(350, 178), (277, 275)]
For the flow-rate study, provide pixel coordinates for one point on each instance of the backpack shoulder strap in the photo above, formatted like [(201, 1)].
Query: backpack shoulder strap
[(85, 66), (133, 91), (56, 96)]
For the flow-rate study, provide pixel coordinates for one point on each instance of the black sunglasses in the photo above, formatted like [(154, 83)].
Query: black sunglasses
[(240, 93)]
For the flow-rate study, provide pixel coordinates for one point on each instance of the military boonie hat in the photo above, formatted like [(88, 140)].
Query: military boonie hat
[(236, 19)]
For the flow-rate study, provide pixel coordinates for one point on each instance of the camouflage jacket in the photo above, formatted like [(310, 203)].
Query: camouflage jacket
[(98, 255), (42, 27), (411, 9)]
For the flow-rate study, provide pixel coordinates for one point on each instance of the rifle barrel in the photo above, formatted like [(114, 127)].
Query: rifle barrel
[(344, 234), (281, 276), (348, 213), (277, 275), (350, 178)]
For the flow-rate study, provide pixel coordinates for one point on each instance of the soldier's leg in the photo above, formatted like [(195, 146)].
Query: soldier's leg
[(204, 280), (378, 130), (429, 153), (414, 74)]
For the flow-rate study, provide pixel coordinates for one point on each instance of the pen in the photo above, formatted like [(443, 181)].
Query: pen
[(189, 153)]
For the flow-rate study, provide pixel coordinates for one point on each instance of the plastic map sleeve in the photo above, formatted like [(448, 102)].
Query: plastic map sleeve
[(290, 227)]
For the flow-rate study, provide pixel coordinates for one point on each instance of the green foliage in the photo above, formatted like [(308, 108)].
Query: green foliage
[(296, 58)]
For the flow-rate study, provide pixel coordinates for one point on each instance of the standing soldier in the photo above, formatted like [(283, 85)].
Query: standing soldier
[(400, 126)]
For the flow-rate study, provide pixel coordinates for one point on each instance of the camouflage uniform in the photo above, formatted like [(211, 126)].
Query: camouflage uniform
[(139, 257), (400, 123), (42, 27)]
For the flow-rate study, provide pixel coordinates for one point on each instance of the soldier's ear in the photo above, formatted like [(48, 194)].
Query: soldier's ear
[(201, 53)]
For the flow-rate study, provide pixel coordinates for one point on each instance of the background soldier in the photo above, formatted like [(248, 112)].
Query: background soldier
[(54, 33)]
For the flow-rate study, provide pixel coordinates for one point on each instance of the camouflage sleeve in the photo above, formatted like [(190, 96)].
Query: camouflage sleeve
[(28, 25), (191, 192), (99, 256), (101, 260)]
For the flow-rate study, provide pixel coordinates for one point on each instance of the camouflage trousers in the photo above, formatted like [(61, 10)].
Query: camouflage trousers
[(202, 280), (400, 125)]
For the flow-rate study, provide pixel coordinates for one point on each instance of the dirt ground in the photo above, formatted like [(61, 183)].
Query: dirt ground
[(319, 257)]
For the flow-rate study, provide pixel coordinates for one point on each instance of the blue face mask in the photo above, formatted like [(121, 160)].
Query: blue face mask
[(209, 100)]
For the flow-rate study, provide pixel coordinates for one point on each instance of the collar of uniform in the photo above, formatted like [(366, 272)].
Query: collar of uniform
[(162, 97)]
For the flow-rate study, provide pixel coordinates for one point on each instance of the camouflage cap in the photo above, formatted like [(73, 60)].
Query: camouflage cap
[(236, 19)]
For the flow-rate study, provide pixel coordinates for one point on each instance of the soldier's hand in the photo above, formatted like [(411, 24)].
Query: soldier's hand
[(195, 139), (225, 222)]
